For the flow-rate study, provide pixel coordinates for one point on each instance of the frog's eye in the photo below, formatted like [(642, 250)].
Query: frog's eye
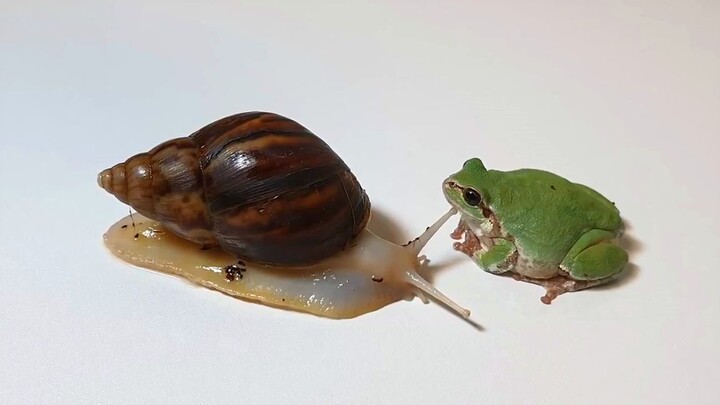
[(471, 197)]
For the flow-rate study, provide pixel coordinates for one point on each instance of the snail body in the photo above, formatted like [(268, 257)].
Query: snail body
[(362, 279), (261, 190)]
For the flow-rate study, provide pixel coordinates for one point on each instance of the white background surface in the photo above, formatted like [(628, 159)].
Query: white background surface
[(621, 95)]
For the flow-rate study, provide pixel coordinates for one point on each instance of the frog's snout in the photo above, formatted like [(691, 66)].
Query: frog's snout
[(449, 189), (449, 183)]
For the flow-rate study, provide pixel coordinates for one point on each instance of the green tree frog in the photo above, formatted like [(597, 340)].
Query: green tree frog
[(537, 226)]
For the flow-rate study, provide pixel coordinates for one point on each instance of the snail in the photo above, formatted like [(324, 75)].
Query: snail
[(256, 206)]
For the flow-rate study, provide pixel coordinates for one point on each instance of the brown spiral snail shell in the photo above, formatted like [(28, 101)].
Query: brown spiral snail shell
[(261, 186), (278, 202)]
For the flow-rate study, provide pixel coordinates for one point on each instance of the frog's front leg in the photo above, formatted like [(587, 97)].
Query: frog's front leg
[(470, 242), (497, 258)]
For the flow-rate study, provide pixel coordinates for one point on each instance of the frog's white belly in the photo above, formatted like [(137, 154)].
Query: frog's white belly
[(531, 269)]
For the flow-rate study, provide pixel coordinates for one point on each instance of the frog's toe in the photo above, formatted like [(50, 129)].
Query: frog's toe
[(554, 286), (470, 245), (598, 262), (559, 285)]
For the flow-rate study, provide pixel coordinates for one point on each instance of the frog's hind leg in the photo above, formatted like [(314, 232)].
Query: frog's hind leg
[(560, 284), (596, 255), (594, 259)]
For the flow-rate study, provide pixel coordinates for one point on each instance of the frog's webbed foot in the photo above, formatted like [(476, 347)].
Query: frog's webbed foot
[(457, 233), (470, 244), (559, 285), (234, 271)]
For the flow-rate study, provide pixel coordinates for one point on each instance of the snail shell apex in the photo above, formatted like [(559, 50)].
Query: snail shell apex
[(259, 185)]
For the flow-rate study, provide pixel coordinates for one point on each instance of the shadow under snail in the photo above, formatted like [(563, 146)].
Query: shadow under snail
[(256, 206)]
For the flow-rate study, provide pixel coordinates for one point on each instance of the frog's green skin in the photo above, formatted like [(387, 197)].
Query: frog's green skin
[(539, 226)]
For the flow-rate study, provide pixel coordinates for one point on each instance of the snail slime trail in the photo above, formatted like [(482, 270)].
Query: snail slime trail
[(258, 197)]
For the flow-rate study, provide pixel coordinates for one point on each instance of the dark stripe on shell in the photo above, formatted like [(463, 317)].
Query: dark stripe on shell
[(210, 155), (240, 125), (260, 190)]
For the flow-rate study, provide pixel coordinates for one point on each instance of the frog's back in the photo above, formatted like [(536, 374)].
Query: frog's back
[(548, 211)]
